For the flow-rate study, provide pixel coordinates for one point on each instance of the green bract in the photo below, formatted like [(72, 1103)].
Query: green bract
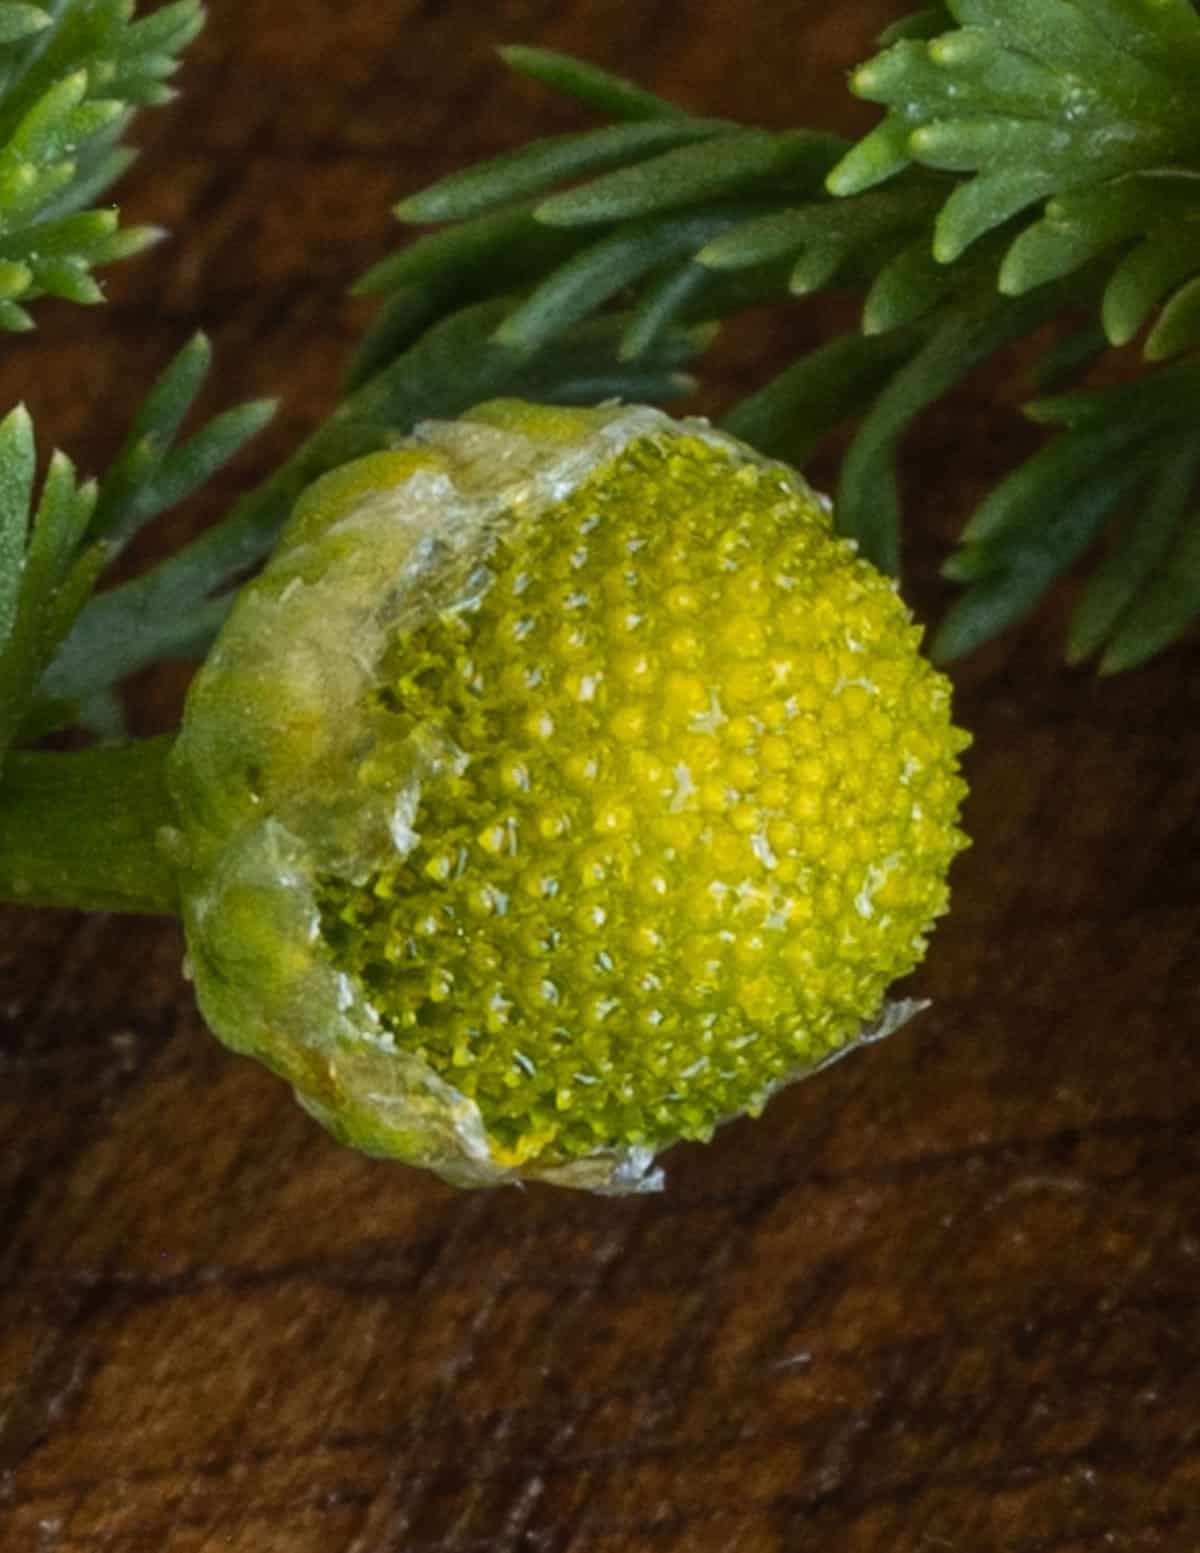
[(562, 788)]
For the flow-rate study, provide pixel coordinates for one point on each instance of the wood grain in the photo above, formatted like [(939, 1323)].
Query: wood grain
[(945, 1297)]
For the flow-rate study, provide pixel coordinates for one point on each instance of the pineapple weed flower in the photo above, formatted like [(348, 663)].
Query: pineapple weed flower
[(562, 788)]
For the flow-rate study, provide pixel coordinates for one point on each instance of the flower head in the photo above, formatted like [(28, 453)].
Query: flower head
[(562, 788)]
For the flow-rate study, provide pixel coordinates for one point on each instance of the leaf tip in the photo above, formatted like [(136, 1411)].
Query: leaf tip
[(410, 210), (863, 79), (924, 140), (1076, 653), (1009, 280), (144, 235), (1113, 662), (510, 334), (18, 421), (947, 245), (558, 210), (840, 180)]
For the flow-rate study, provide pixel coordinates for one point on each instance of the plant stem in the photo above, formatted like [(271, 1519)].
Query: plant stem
[(83, 830)]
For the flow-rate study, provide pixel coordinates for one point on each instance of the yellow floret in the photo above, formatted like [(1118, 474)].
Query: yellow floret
[(705, 805)]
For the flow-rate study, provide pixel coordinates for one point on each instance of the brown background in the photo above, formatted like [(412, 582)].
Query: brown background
[(945, 1297)]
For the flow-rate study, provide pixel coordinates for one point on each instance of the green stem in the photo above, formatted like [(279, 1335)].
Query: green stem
[(83, 830)]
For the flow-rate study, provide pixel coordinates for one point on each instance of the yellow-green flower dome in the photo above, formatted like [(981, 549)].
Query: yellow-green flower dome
[(562, 788)]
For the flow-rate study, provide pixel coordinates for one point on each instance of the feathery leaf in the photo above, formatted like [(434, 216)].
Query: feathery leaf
[(1136, 555), (597, 274), (72, 73), (734, 163), (1035, 100), (1013, 580), (595, 88), (1167, 606), (171, 610), (517, 175), (796, 410)]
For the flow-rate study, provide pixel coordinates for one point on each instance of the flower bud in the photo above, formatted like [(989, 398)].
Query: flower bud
[(561, 788)]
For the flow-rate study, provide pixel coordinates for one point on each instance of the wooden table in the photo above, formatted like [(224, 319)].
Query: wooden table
[(944, 1297)]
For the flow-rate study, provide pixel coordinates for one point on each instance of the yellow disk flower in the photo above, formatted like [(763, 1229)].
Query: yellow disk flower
[(562, 788)]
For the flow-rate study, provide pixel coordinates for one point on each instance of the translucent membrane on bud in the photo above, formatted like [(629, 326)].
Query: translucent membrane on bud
[(562, 788)]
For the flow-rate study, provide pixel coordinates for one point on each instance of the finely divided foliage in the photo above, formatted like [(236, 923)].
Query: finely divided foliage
[(72, 72), (71, 76), (1037, 162), (51, 557), (1036, 157)]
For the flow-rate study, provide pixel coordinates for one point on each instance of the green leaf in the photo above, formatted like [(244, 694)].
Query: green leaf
[(1138, 552), (1069, 358), (1178, 325), (17, 457), (661, 305), (129, 242), (152, 431), (1072, 38), (1162, 397), (506, 247), (71, 74), (67, 278), (19, 21), (1076, 227), (404, 317), (31, 187), (908, 287), (1166, 608), (1164, 34), (164, 409), (731, 163), (58, 527), (825, 234), (999, 77), (773, 236), (97, 168), (1049, 542), (85, 234), (928, 22), (155, 41), (488, 256), (147, 52), (584, 283), (906, 79), (149, 474), (42, 131), (1144, 277), (169, 611), (1034, 98), (15, 279), (968, 331), (1046, 478), (516, 175), (51, 581), (76, 531), (193, 464), (167, 31), (962, 145), (877, 156), (983, 204), (14, 318), (72, 594), (790, 416), (608, 94)]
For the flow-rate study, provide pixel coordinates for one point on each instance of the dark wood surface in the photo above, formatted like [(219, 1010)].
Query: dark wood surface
[(944, 1297)]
